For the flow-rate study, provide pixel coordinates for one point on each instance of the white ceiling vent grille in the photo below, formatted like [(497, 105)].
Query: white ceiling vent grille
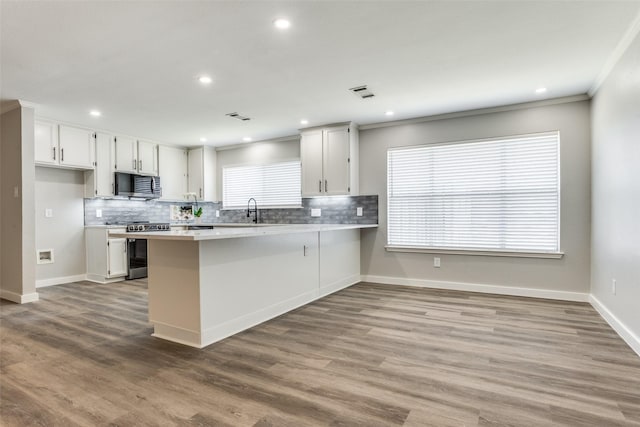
[(362, 91), (238, 116)]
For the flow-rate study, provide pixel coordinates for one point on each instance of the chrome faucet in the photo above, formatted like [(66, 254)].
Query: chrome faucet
[(254, 210)]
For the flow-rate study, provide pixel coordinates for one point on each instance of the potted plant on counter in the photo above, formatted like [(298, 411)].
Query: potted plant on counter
[(197, 213)]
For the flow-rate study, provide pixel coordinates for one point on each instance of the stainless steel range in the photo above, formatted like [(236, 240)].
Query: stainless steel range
[(137, 248), (148, 226)]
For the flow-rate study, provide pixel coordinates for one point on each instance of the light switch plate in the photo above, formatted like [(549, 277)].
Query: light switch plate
[(48, 213), (316, 212), (359, 211), (217, 213), (98, 213), (436, 262)]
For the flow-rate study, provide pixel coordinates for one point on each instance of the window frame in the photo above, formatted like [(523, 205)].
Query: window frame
[(480, 251)]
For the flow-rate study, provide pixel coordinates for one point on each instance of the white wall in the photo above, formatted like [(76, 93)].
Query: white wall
[(17, 250), (62, 191), (567, 275), (616, 195), (256, 153)]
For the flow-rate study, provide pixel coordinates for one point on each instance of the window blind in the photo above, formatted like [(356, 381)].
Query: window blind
[(501, 194), (275, 185)]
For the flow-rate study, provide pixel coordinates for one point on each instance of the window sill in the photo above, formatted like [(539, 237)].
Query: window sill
[(416, 249)]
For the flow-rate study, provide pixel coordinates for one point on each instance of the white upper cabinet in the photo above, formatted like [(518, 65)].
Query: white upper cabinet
[(311, 158), (62, 145), (173, 171), (77, 147), (126, 154), (329, 159), (46, 142), (147, 158), (202, 173), (134, 156), (99, 182)]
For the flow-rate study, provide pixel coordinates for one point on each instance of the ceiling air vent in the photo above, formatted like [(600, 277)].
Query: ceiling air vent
[(238, 116), (362, 91)]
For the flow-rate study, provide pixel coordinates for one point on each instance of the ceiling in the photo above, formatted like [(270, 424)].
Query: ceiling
[(138, 62)]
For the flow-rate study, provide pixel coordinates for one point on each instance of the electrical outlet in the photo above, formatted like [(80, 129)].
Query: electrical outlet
[(217, 213), (48, 213), (316, 212), (359, 211), (613, 286), (436, 262), (16, 192), (98, 213)]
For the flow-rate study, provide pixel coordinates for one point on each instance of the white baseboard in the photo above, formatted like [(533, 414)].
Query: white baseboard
[(60, 280), (19, 298), (233, 326), (482, 288), (621, 329), (101, 279), (339, 285)]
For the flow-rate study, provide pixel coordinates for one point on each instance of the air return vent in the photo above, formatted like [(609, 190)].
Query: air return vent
[(238, 116), (362, 91)]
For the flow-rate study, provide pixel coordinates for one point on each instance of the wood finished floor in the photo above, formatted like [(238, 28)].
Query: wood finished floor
[(370, 355)]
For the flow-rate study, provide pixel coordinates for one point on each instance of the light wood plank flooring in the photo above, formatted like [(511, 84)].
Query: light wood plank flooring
[(370, 355)]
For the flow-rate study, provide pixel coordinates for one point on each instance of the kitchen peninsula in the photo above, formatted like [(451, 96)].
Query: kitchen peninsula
[(205, 285)]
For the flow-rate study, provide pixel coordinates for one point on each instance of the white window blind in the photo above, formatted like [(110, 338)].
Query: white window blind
[(275, 185), (500, 194)]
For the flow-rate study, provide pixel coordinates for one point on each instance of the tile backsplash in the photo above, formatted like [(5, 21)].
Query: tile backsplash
[(333, 210)]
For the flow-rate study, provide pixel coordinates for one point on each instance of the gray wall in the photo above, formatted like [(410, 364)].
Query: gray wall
[(256, 153), (62, 191), (18, 223), (616, 190), (571, 273)]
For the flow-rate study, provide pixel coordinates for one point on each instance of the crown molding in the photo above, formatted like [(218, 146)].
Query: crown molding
[(624, 43), (510, 107), (15, 103)]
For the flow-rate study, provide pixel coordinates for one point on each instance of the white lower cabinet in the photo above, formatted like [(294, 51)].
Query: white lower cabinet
[(106, 256)]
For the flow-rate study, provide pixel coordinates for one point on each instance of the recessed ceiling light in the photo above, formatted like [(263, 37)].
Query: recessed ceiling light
[(282, 23), (304, 122), (95, 113), (541, 90), (388, 113), (203, 139), (247, 139), (205, 80)]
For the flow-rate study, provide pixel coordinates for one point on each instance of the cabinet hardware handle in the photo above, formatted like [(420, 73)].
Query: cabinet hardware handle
[(201, 193), (54, 153), (134, 164), (326, 188), (139, 164), (320, 185), (62, 154)]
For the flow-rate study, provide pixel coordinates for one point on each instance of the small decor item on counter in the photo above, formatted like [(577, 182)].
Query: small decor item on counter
[(198, 212)]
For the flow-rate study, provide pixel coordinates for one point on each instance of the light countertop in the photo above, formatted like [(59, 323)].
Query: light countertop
[(239, 231)]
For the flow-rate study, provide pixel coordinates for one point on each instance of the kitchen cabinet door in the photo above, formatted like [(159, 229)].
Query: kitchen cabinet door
[(335, 163), (116, 257), (104, 171), (46, 142), (76, 147), (126, 150), (172, 167), (147, 158), (202, 173), (311, 158)]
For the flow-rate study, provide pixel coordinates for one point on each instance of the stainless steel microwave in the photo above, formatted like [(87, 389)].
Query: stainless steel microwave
[(141, 186)]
